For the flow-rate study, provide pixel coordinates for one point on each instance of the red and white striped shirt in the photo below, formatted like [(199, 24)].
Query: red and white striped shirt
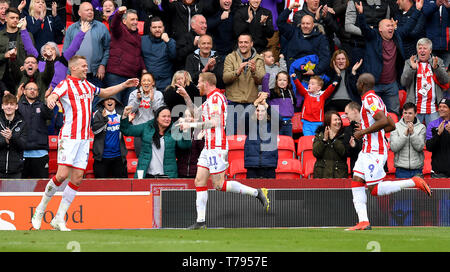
[(215, 106), (76, 98), (371, 105), (425, 89), (288, 3)]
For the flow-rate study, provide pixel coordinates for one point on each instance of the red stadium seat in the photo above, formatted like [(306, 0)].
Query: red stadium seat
[(140, 27), (288, 169), (286, 147), (304, 143), (390, 165), (345, 120), (90, 166), (131, 154), (236, 147), (53, 142), (131, 167), (308, 164), (427, 164), (52, 167), (402, 97), (237, 169), (53, 147), (297, 125), (393, 116), (129, 142)]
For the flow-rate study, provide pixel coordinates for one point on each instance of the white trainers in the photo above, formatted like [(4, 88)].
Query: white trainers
[(59, 224), (36, 220)]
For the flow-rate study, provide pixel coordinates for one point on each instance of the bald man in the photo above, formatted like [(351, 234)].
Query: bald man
[(384, 57), (95, 45), (369, 167)]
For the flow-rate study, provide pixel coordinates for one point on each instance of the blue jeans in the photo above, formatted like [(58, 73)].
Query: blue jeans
[(113, 79), (97, 82), (237, 121), (406, 173), (286, 128), (389, 94), (427, 117), (309, 128)]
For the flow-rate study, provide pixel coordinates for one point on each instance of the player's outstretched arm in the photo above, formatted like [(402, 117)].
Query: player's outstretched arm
[(110, 91)]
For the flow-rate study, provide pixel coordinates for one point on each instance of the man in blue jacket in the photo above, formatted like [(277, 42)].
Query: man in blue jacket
[(303, 40), (436, 24), (159, 51), (95, 45), (385, 57)]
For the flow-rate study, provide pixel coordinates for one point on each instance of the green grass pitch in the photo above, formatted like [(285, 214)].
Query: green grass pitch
[(383, 239)]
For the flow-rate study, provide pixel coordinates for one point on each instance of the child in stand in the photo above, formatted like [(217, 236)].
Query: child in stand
[(271, 67), (282, 98), (314, 102)]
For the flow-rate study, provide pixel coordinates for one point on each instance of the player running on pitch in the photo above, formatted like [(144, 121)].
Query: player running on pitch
[(213, 160), (75, 94), (369, 167)]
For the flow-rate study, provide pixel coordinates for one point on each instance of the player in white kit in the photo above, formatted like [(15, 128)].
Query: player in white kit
[(369, 167), (75, 94), (213, 160)]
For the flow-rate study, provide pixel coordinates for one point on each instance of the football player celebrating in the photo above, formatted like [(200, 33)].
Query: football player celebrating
[(213, 160), (75, 94), (369, 167)]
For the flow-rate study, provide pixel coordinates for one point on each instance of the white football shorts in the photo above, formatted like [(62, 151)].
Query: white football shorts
[(215, 160), (73, 153), (370, 167)]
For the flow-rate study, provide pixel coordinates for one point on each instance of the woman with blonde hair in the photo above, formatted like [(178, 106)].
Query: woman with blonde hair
[(181, 81), (44, 27)]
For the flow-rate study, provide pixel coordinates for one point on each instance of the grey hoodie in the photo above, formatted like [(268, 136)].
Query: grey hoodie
[(408, 149), (144, 108)]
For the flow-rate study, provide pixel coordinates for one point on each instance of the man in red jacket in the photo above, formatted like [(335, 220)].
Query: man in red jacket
[(125, 59)]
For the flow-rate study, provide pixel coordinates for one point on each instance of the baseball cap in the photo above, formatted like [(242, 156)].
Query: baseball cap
[(445, 101)]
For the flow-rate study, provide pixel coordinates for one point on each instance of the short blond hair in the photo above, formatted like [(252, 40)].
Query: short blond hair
[(183, 73), (75, 59), (208, 77)]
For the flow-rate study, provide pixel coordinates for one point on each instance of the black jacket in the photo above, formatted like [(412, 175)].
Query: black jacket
[(352, 152), (11, 154), (180, 15), (194, 66), (35, 116), (260, 32), (440, 148), (260, 150), (99, 124)]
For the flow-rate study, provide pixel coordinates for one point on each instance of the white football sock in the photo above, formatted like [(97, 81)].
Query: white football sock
[(360, 202), (389, 187), (67, 198), (202, 199), (233, 186), (50, 190)]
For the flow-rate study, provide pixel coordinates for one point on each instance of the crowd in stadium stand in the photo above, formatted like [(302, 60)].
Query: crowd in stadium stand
[(282, 63)]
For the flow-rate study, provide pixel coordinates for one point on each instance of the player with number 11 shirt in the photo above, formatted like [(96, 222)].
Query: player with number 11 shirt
[(213, 160)]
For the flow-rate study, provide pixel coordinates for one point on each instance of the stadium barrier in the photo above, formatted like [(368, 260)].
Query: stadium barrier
[(170, 203)]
